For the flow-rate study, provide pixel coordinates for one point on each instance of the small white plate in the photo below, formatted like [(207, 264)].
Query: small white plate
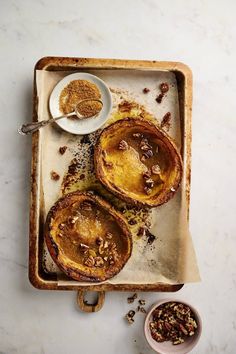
[(83, 126)]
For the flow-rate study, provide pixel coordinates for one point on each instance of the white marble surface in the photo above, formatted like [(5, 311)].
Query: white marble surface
[(199, 33)]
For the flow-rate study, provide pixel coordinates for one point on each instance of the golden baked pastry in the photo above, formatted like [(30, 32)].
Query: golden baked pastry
[(138, 162), (87, 238)]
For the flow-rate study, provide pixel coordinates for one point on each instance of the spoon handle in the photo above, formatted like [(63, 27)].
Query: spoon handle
[(29, 128)]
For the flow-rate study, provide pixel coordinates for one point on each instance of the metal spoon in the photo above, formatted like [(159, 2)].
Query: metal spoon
[(34, 126)]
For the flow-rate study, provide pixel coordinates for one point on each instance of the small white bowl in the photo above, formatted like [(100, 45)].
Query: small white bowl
[(81, 126), (167, 347)]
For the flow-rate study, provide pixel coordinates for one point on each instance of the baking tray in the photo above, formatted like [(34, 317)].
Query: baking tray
[(37, 275)]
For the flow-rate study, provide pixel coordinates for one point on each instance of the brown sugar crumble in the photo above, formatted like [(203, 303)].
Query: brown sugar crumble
[(62, 149), (165, 122), (55, 176), (76, 91)]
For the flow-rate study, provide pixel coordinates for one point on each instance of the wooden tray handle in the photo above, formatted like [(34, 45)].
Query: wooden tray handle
[(84, 306)]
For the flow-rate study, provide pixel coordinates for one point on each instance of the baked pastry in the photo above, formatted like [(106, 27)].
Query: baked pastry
[(138, 162), (87, 238)]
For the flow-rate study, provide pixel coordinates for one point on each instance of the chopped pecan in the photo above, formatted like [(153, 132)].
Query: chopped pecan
[(72, 220), (147, 190), (148, 154), (101, 249), (132, 221), (98, 262), (55, 176), (172, 321), (108, 164), (145, 147), (62, 149), (150, 237), (61, 226), (137, 135), (183, 329), (142, 302), (142, 231), (111, 260), (113, 246), (159, 98), (99, 241), (89, 261), (166, 121), (115, 255), (156, 169), (92, 253), (141, 309), (146, 90), (106, 244), (83, 248), (109, 235), (86, 205), (149, 183), (130, 316), (147, 174), (132, 298), (123, 145), (164, 87)]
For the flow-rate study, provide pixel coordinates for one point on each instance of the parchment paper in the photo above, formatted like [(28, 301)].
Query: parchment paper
[(171, 258)]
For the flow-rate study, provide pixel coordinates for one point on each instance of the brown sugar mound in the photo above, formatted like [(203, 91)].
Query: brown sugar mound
[(76, 91)]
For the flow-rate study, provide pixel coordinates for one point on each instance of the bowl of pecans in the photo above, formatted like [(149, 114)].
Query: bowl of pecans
[(172, 327)]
